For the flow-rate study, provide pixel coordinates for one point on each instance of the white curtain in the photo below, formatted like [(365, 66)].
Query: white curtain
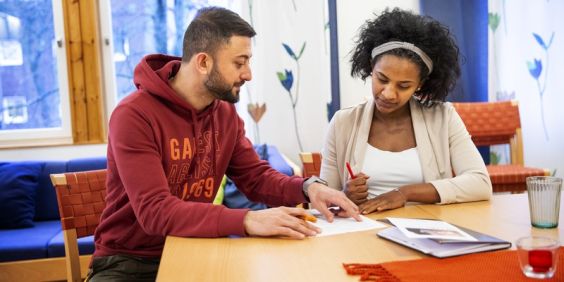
[(526, 41), (303, 27)]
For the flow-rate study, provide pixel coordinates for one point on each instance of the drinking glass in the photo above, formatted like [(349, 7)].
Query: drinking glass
[(538, 256), (544, 200)]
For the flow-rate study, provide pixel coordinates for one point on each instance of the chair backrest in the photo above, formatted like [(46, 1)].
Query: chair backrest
[(311, 162), (81, 199), (492, 123)]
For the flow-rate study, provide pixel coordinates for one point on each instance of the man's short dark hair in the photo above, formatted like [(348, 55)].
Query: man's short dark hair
[(212, 27)]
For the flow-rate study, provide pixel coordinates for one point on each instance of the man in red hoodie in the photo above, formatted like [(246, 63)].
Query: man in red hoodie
[(169, 145)]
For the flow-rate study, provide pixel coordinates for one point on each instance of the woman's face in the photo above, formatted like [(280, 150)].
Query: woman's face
[(394, 80)]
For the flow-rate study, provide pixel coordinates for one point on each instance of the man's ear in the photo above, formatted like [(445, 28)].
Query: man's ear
[(204, 63)]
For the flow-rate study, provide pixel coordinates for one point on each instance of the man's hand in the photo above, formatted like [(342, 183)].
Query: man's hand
[(357, 190), (282, 221), (323, 197), (387, 201)]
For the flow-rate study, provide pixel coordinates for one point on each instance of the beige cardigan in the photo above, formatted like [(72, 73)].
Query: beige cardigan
[(443, 145)]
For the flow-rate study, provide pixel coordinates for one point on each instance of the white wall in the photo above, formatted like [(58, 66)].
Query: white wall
[(53, 153), (277, 22), (351, 15)]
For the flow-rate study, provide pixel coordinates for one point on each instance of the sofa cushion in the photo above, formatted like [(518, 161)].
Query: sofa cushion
[(28, 243), (18, 185), (56, 246), (46, 207), (276, 161)]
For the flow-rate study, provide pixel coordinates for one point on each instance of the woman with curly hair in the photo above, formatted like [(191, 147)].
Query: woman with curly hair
[(406, 144)]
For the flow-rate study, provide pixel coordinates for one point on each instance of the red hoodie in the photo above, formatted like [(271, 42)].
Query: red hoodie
[(166, 162)]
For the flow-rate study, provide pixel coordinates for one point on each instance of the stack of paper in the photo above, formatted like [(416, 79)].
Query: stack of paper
[(343, 225)]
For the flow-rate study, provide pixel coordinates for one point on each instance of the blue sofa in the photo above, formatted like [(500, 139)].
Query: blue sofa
[(45, 238)]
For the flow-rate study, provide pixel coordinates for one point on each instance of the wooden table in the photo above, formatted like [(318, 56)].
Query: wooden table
[(320, 259)]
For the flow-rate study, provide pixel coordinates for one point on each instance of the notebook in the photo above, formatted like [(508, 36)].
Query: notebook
[(443, 248)]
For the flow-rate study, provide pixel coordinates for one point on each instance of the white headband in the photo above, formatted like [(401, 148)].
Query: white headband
[(403, 45)]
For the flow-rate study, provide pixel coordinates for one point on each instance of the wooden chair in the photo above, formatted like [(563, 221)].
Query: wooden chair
[(311, 162), (492, 123), (81, 198)]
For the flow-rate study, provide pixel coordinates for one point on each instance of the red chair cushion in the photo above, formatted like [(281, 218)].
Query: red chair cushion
[(507, 174)]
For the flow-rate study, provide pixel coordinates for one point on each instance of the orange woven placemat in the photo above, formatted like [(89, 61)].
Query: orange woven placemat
[(491, 266)]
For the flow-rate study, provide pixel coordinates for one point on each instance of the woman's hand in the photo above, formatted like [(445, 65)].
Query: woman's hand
[(357, 190), (387, 201)]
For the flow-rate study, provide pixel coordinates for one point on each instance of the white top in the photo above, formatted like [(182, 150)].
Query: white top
[(390, 170)]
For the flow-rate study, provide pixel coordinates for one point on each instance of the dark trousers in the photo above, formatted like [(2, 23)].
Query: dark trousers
[(123, 268)]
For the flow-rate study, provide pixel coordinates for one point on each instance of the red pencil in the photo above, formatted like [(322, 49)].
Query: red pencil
[(350, 170)]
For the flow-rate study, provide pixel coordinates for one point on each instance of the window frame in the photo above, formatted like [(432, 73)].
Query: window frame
[(107, 49), (49, 136)]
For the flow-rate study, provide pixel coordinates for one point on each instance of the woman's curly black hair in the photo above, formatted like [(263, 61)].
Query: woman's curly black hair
[(424, 32)]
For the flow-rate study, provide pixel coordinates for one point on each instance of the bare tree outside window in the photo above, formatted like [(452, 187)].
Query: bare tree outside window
[(29, 89)]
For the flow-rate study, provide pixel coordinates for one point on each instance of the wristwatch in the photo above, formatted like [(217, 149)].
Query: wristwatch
[(308, 182)]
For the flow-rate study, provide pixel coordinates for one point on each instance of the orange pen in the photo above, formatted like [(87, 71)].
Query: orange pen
[(308, 217)]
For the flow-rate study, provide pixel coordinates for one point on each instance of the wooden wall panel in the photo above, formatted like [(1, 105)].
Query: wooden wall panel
[(84, 64), (92, 69)]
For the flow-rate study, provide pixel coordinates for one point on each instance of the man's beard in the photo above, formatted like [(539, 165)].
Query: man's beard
[(219, 88)]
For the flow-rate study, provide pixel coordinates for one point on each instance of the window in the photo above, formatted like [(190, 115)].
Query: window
[(34, 101), (133, 29)]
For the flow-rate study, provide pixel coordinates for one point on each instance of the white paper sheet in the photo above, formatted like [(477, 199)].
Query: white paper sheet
[(343, 225), (435, 229)]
